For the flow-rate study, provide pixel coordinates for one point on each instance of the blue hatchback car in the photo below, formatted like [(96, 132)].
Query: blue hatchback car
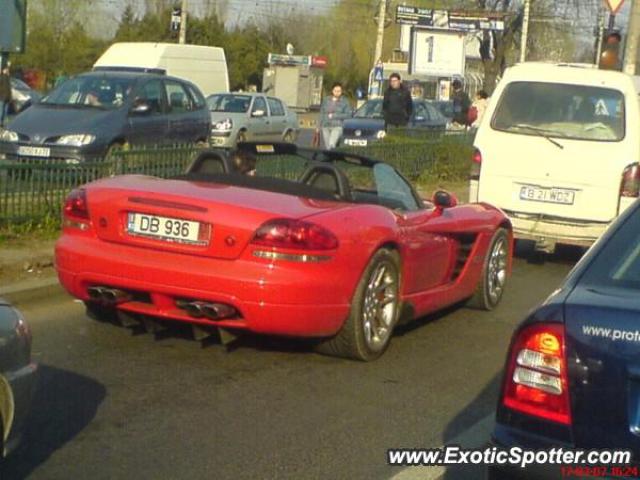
[(93, 113), (572, 377)]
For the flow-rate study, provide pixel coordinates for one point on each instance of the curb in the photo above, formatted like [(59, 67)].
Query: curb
[(26, 292)]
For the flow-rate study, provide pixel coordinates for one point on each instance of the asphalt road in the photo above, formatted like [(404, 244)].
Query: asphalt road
[(115, 405)]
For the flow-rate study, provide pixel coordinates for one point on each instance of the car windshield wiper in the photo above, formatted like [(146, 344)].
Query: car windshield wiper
[(541, 132)]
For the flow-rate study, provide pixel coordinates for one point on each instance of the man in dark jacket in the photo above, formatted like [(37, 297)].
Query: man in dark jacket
[(397, 105), (461, 104), (5, 94)]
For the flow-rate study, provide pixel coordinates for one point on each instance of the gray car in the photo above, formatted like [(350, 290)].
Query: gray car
[(93, 113), (17, 376), (240, 117)]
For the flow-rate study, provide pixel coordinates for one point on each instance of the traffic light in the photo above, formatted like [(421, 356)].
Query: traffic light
[(610, 56)]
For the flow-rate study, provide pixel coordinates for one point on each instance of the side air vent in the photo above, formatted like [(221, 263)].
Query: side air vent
[(465, 245)]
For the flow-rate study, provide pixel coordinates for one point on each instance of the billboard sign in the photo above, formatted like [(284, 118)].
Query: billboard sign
[(277, 59), (437, 53), (13, 25), (448, 20)]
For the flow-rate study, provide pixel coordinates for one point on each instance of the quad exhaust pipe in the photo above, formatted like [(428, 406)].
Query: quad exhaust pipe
[(108, 295), (212, 311)]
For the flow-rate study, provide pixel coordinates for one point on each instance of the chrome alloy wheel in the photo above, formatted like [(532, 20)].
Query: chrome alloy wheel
[(497, 270), (380, 305)]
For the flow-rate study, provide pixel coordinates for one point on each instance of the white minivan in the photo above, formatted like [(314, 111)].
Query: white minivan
[(204, 66), (558, 150)]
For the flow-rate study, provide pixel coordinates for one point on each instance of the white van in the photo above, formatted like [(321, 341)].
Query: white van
[(206, 67), (558, 151)]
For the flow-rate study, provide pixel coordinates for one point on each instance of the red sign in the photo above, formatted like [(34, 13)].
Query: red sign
[(614, 5), (320, 62)]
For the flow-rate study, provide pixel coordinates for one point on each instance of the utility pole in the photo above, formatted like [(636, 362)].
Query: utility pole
[(382, 14), (525, 31), (183, 22), (600, 34), (633, 36)]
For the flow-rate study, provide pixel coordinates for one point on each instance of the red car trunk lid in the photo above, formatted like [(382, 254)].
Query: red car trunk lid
[(228, 215)]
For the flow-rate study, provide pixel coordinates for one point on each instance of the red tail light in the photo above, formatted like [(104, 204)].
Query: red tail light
[(476, 164), (536, 382), (294, 234), (75, 206), (630, 186)]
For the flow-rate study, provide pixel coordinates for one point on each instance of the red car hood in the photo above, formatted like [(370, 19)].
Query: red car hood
[(234, 213)]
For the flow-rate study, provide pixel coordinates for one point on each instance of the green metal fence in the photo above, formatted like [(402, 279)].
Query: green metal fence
[(35, 189)]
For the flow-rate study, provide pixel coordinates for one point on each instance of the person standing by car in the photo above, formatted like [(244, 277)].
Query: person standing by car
[(479, 106), (334, 111), (397, 106), (461, 104), (5, 94)]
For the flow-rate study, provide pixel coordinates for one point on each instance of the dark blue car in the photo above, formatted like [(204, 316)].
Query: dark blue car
[(572, 376), (367, 125), (88, 115)]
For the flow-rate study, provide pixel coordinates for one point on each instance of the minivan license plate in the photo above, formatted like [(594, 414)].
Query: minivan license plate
[(547, 195), (164, 228)]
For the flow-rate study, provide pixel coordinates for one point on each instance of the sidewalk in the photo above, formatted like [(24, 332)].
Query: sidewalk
[(26, 269)]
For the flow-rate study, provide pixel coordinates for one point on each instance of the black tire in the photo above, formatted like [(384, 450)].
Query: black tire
[(485, 297), (351, 341), (241, 137), (494, 473), (289, 137), (100, 313), (111, 168)]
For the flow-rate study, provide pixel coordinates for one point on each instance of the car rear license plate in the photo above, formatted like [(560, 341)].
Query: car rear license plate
[(34, 151), (355, 142), (166, 229), (548, 195)]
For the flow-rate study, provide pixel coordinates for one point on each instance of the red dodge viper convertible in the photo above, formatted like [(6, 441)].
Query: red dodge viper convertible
[(316, 244)]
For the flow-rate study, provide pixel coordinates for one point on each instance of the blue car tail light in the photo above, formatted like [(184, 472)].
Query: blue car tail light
[(536, 383)]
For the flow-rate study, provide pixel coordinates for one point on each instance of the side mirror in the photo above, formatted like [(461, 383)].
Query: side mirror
[(141, 108), (257, 113), (442, 199)]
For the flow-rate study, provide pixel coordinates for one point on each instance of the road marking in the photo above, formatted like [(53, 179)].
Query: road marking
[(474, 437)]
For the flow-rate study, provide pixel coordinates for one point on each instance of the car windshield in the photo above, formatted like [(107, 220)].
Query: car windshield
[(91, 92), (445, 108), (618, 262), (19, 85), (560, 110), (229, 103), (371, 109)]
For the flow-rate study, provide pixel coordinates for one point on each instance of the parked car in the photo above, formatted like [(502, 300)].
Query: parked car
[(17, 376), (261, 253), (22, 95), (241, 117), (445, 107), (558, 151), (367, 125), (91, 114), (572, 377)]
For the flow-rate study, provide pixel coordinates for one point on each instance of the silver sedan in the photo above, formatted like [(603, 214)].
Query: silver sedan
[(240, 117)]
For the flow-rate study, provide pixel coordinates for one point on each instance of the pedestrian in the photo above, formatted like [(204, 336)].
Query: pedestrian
[(461, 104), (397, 105), (244, 163), (334, 111), (5, 94), (479, 106)]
